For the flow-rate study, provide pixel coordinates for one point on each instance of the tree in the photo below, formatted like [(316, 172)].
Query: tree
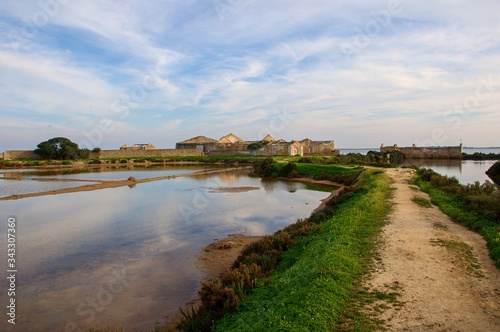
[(59, 148)]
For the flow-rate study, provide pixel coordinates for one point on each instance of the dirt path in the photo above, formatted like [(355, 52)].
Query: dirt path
[(433, 274)]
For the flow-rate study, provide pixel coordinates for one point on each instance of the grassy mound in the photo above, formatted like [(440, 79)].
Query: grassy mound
[(316, 277)]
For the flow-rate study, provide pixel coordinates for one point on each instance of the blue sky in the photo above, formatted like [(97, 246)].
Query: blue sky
[(108, 73)]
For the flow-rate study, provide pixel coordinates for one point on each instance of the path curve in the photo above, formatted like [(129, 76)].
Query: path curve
[(440, 271)]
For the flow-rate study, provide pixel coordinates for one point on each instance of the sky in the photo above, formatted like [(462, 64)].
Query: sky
[(361, 73)]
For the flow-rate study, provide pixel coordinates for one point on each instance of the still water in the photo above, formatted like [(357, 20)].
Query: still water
[(126, 256), (468, 150), (466, 171), (24, 181)]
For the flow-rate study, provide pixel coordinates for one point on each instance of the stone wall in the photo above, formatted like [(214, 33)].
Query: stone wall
[(449, 152), (319, 147), (21, 154), (241, 149), (304, 147), (147, 153)]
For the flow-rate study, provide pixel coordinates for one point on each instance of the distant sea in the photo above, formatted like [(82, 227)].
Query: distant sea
[(471, 150), (468, 150), (362, 151)]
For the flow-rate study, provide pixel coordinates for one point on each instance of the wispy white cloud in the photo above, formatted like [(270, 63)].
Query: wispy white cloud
[(185, 68)]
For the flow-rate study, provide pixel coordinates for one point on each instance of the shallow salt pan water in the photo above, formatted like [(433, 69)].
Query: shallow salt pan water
[(16, 182), (127, 255), (14, 187)]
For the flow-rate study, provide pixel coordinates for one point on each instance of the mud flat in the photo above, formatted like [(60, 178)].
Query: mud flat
[(215, 259)]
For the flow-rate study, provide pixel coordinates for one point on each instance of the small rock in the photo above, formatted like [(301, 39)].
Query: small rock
[(226, 245)]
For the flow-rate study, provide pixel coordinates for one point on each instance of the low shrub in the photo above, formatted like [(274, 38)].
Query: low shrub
[(266, 168), (288, 171), (482, 199), (481, 156)]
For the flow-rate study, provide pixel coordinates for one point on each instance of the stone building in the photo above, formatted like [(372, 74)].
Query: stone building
[(233, 145), (229, 139), (414, 152), (202, 143)]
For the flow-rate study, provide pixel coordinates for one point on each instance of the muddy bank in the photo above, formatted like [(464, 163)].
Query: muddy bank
[(215, 259), (219, 256), (233, 189)]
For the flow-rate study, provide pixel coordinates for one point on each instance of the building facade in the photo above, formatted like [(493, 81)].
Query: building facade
[(233, 145)]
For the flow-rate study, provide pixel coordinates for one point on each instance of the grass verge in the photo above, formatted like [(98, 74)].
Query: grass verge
[(317, 277), (463, 256), (422, 202), (466, 205)]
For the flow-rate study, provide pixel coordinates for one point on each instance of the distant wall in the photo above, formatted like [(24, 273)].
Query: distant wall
[(147, 153), (449, 152), (18, 154), (320, 148)]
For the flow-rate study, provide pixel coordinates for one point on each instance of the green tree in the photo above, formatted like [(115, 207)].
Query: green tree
[(58, 148), (289, 170)]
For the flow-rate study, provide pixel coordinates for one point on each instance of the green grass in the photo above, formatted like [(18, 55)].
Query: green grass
[(319, 276), (314, 169), (414, 188), (440, 225), (422, 202), (463, 256), (454, 207)]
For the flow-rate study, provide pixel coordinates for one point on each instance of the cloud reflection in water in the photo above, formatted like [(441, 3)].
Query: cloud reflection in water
[(70, 244)]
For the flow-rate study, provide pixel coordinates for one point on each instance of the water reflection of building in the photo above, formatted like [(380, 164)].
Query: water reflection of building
[(455, 163), (225, 177)]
